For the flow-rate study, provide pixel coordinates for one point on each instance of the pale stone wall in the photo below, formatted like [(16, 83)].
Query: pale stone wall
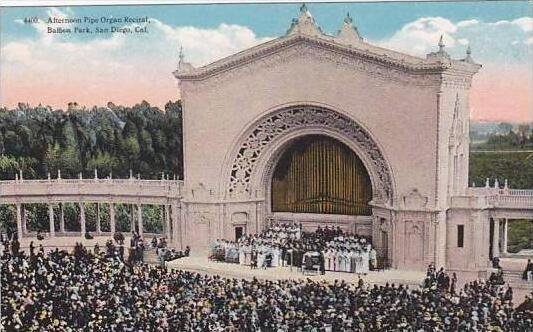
[(474, 255), (220, 113), (414, 112)]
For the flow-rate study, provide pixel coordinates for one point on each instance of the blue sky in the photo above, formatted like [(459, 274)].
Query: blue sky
[(123, 68), (375, 20)]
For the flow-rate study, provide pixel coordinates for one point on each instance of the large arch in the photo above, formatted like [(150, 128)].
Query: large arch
[(260, 147)]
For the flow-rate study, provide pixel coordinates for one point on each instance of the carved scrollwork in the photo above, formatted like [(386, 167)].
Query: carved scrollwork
[(291, 118), (385, 225)]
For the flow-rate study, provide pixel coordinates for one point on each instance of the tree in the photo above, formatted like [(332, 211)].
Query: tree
[(505, 128)]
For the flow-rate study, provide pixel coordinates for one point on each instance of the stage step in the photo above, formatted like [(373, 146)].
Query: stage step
[(150, 257), (514, 279)]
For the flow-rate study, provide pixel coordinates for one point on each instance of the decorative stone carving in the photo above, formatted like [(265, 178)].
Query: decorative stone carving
[(457, 135), (202, 192), (414, 200), (307, 50), (413, 227), (292, 118), (348, 33), (384, 225), (203, 217), (304, 24), (239, 218)]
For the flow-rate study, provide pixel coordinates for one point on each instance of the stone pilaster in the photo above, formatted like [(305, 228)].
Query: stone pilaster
[(176, 225)]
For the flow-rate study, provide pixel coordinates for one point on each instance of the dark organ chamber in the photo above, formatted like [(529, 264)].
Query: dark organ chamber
[(318, 174)]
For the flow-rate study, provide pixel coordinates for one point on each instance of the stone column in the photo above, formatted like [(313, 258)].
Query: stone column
[(140, 219), (24, 221), (504, 236), (82, 218), (61, 218), (112, 218), (51, 220), (132, 222), (163, 218), (98, 226), (19, 221), (496, 238), (167, 223)]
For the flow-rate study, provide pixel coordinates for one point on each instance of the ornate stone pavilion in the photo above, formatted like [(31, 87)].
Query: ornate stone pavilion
[(268, 131), (319, 130)]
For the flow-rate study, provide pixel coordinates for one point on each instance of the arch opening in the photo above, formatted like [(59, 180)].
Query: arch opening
[(319, 174)]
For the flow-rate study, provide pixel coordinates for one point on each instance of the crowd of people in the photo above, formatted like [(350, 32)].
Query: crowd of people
[(90, 291), (329, 249)]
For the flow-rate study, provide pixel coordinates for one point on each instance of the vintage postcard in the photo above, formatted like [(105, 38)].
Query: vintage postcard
[(267, 166)]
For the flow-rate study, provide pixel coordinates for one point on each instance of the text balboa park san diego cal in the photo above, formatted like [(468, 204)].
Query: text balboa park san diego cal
[(106, 25)]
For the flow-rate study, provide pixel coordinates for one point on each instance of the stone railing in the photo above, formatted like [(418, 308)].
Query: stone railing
[(511, 201), (119, 190), (495, 198)]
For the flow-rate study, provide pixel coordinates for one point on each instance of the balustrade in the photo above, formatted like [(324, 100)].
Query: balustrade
[(52, 191)]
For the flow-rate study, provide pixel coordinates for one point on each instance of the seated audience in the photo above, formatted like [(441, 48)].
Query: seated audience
[(84, 291)]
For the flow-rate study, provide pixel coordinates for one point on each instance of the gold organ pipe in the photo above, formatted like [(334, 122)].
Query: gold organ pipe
[(320, 175)]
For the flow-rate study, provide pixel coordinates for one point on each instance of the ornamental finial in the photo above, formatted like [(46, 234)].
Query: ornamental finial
[(441, 43), (468, 57), (181, 56), (348, 19), (348, 33)]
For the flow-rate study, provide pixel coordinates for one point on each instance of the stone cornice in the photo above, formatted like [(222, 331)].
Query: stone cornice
[(362, 50)]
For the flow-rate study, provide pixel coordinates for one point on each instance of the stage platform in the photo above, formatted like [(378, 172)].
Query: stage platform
[(204, 266)]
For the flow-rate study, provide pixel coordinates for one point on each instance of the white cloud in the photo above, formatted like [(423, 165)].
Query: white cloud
[(201, 46), (422, 35), (111, 66), (16, 51), (502, 41), (467, 23), (525, 23)]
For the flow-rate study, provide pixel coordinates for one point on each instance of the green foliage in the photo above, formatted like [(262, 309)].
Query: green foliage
[(520, 235), (37, 217), (153, 218), (124, 216), (7, 218), (517, 167), (113, 140), (508, 139)]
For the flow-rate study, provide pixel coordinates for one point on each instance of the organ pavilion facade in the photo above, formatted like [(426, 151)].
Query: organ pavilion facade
[(334, 131)]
